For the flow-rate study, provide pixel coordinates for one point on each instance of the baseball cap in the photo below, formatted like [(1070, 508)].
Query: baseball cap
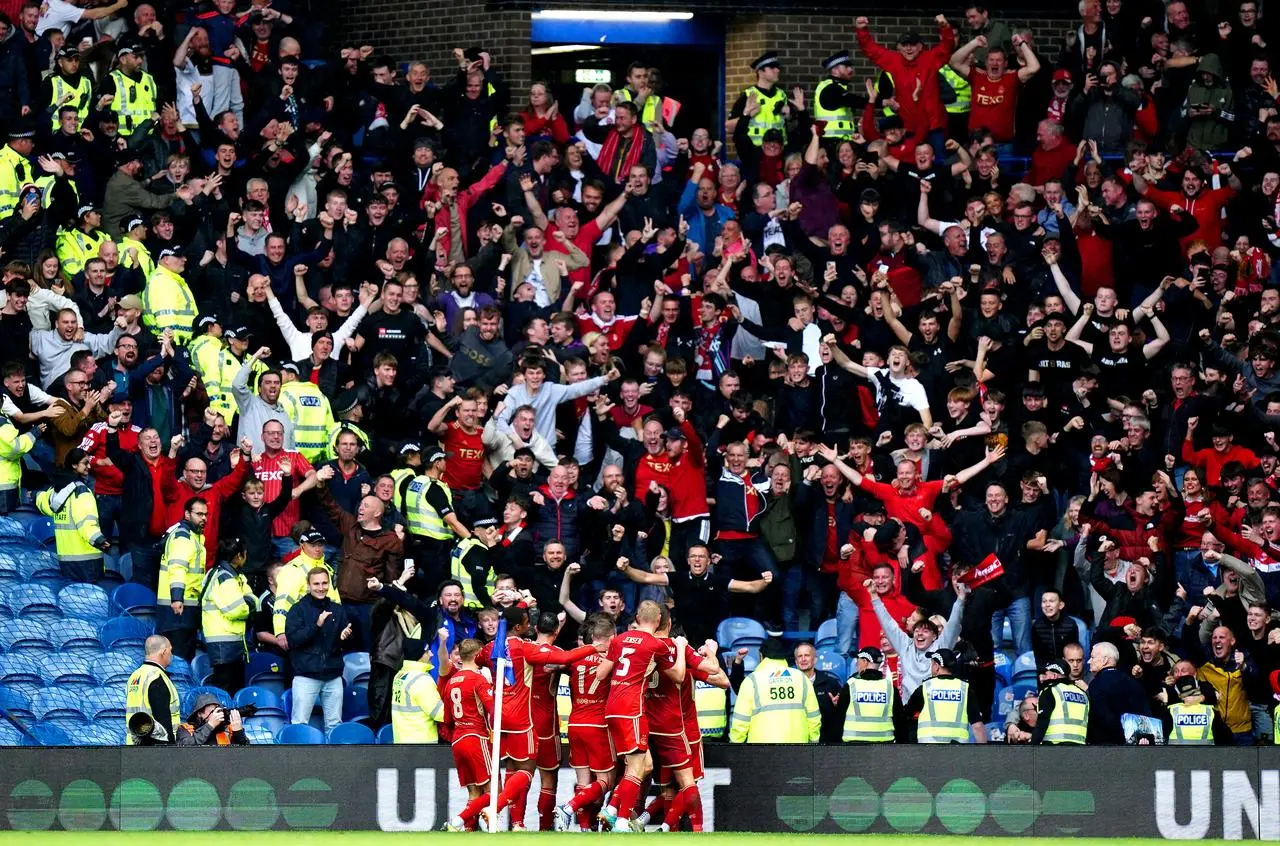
[(891, 122), (435, 455), (310, 536), (1186, 685), (130, 301), (1062, 75), (1054, 667), (872, 654), (410, 446), (675, 433), (126, 155)]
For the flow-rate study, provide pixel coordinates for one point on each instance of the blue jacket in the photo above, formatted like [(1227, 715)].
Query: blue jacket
[(737, 508), (176, 378), (693, 216), (316, 651), (1112, 693), (557, 521)]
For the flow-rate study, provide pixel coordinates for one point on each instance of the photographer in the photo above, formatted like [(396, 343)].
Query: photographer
[(217, 725)]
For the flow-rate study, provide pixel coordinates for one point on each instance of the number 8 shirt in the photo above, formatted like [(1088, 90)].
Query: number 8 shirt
[(634, 656)]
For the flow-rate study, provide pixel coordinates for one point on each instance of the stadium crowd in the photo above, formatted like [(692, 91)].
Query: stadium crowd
[(976, 357)]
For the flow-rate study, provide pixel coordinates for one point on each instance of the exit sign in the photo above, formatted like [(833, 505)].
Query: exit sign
[(592, 76)]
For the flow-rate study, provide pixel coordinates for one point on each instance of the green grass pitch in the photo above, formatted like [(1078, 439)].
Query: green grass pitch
[(372, 838)]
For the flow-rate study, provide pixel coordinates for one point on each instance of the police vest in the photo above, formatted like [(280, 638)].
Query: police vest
[(870, 715), (398, 476), (769, 116), (81, 94), (1069, 722), (840, 122), (15, 171), (13, 445), (1192, 725), (881, 79), (135, 100), (710, 701), (182, 573), (308, 409), (137, 701), (945, 715), (457, 570), (167, 303), (225, 604), (424, 520), (143, 262), (45, 184), (75, 525), (75, 247), (564, 705), (415, 704), (337, 429), (961, 87), (204, 352)]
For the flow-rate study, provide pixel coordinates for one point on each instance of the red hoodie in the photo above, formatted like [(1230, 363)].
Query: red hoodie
[(852, 573), (687, 480), (1210, 462)]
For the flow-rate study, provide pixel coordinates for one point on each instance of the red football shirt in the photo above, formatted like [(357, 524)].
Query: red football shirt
[(589, 693), (517, 706), (468, 702), (542, 694), (662, 698), (267, 469), (633, 655), (463, 471), (993, 104)]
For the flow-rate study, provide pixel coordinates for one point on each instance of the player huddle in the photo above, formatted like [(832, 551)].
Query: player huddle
[(632, 716)]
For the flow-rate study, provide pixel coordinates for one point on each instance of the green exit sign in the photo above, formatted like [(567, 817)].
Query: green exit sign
[(592, 76)]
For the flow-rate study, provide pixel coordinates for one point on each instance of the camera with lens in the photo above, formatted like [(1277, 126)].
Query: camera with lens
[(247, 710)]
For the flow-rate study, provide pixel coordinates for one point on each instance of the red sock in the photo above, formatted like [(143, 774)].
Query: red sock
[(471, 812), (625, 796), (516, 785), (656, 807), (546, 809), (693, 806), (675, 810), (587, 794), (520, 800)]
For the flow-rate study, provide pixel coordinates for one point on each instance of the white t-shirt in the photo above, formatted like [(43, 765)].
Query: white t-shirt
[(909, 392), (58, 14), (37, 397)]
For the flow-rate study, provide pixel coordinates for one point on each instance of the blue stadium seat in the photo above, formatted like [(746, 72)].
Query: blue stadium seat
[(25, 636), (832, 662), (201, 668), (351, 734), (125, 632), (134, 600), (74, 672), (16, 704), (47, 734), (189, 698), (1021, 688), (9, 735), (10, 571), (110, 581), (23, 667), (385, 735), (103, 733), (179, 669), (1024, 668), (35, 526), (826, 638), (115, 667), (1082, 633), (300, 735), (1002, 703), (11, 529), (266, 670), (34, 602), (355, 703), (58, 702), (740, 631), (77, 637), (261, 733), (355, 668), (104, 703), (266, 700), (1003, 663), (270, 723), (84, 602), (1006, 636)]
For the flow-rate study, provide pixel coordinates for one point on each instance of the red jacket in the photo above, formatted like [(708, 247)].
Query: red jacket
[(687, 480), (1206, 207), (850, 576), (925, 113), (467, 198), (1210, 462), (555, 128), (905, 508), (108, 480), (227, 486)]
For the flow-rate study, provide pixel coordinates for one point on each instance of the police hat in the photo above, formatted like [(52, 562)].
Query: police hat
[(766, 60), (410, 446), (1055, 667), (834, 61), (944, 658), (237, 333), (310, 536), (435, 455), (872, 654), (484, 521), (69, 51)]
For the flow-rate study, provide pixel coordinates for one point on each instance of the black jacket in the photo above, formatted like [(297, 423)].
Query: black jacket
[(1112, 693), (316, 651), (253, 526), (136, 490), (1048, 637)]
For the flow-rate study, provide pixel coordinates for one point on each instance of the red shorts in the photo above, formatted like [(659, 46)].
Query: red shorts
[(517, 745), (548, 752), (472, 759), (628, 734), (670, 753), (591, 748)]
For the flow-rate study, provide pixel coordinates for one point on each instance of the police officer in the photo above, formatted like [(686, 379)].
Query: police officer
[(15, 169), (770, 98), (74, 509), (178, 594), (226, 601), (711, 703), (1064, 708), (151, 700), (1192, 721), (469, 563), (167, 301), (776, 703), (291, 579), (133, 247), (14, 444), (835, 102), (942, 702), (68, 87), (131, 89), (872, 701), (416, 708), (431, 520), (208, 353), (348, 412), (77, 245), (308, 410), (410, 467)]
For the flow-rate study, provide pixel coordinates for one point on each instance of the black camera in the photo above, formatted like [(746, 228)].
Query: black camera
[(247, 711)]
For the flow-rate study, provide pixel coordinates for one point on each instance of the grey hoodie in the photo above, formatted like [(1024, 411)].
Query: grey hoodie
[(913, 665)]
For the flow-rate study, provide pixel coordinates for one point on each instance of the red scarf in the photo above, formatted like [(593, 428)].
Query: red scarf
[(619, 166), (503, 533)]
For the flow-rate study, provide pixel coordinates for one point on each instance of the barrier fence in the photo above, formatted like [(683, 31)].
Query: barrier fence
[(1100, 792)]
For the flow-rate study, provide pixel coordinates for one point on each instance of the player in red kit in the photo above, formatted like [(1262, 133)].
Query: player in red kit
[(590, 749), (674, 738), (468, 704), (631, 657), (546, 720), (517, 743)]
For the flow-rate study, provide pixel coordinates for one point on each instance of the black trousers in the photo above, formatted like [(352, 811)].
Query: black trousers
[(229, 677)]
